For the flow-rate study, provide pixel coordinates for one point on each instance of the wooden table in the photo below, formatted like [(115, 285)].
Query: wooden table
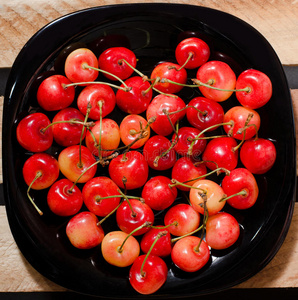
[(20, 19)]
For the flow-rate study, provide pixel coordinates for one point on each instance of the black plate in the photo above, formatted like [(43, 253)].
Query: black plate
[(153, 30)]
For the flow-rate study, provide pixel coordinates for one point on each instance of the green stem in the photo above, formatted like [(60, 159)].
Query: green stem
[(38, 175), (241, 193), (125, 88)]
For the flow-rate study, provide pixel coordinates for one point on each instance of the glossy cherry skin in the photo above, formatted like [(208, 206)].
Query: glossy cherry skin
[(185, 136), (187, 256), (212, 113), (158, 193), (156, 108), (137, 99), (99, 187), (130, 128), (170, 71), (218, 74), (83, 230), (162, 247), (155, 274), (31, 135), (213, 192), (220, 153), (238, 115), (258, 155), (68, 134), (154, 148), (110, 248), (187, 171), (42, 163), (64, 199), (108, 133), (131, 167), (76, 66), (240, 179), (69, 163), (129, 220), (222, 231), (53, 95), (92, 95), (260, 88), (111, 61), (199, 50), (186, 217)]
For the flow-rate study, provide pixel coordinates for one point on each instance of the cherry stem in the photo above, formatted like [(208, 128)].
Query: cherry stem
[(125, 88), (98, 198), (176, 182), (190, 55), (159, 235), (175, 223), (204, 113), (71, 121), (100, 129), (157, 80), (241, 193), (108, 215), (187, 234), (146, 224), (133, 213), (38, 175), (137, 71)]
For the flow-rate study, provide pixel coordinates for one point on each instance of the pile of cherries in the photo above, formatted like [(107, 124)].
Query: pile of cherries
[(159, 132)]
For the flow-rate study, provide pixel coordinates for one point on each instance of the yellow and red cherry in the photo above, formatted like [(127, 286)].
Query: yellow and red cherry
[(258, 155), (158, 193), (32, 132), (221, 152), (68, 126), (203, 113), (259, 88), (245, 122), (104, 137), (84, 231), (192, 52), (134, 131), (64, 198), (159, 153), (94, 94), (52, 94), (137, 99), (241, 188), (129, 170), (185, 137), (97, 188), (77, 163), (81, 66), (222, 231), (119, 61), (187, 170), (132, 214), (167, 111), (184, 217), (207, 194), (218, 75), (120, 249), (190, 253)]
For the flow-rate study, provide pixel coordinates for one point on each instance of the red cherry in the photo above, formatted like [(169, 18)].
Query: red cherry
[(211, 113), (31, 134), (258, 155), (137, 99), (219, 75), (113, 60), (65, 133), (260, 88), (222, 231), (240, 180), (160, 106), (154, 275), (53, 95), (190, 254), (158, 194), (172, 72), (97, 188), (64, 198), (77, 66), (129, 170), (92, 95), (84, 231), (196, 49)]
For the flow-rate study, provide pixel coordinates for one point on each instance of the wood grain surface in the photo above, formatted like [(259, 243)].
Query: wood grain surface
[(20, 19)]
